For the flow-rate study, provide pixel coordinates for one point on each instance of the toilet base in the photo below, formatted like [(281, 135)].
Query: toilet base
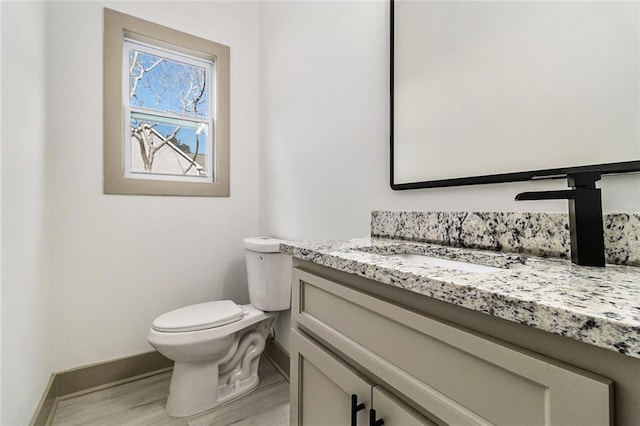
[(197, 387), (199, 395)]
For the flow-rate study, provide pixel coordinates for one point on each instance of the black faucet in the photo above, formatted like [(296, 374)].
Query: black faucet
[(585, 216)]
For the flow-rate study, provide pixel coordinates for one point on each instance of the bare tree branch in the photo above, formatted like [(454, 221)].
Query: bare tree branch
[(143, 70), (195, 155), (144, 134)]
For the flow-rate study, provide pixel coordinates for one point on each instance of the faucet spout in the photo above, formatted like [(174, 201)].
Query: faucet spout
[(585, 216), (567, 194)]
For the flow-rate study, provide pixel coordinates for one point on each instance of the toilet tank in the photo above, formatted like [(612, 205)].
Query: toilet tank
[(268, 274)]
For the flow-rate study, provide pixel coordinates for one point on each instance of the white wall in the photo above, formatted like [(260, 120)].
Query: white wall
[(119, 261), (26, 294), (324, 102)]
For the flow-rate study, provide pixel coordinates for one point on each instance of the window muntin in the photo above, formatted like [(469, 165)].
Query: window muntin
[(168, 103)]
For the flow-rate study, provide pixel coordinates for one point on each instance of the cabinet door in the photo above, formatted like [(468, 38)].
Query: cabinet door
[(322, 387), (395, 412)]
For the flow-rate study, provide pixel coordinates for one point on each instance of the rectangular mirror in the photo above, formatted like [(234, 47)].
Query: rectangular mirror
[(498, 91)]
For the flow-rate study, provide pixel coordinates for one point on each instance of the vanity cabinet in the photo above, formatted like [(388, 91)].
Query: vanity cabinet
[(416, 369)]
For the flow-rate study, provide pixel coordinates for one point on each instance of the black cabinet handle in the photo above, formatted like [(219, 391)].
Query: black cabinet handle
[(355, 407), (372, 419)]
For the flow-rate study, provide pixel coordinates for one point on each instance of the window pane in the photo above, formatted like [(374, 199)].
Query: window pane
[(168, 146), (166, 85)]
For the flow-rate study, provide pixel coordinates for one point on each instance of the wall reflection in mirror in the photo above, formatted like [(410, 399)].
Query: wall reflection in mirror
[(488, 91)]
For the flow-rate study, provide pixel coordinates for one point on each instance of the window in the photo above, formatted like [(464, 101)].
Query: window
[(166, 100)]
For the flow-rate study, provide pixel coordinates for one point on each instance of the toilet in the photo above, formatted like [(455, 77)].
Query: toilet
[(217, 345)]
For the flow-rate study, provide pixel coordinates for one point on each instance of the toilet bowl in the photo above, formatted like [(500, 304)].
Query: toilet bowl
[(217, 345)]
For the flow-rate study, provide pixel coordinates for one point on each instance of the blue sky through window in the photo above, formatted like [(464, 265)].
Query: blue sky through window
[(193, 135), (165, 85)]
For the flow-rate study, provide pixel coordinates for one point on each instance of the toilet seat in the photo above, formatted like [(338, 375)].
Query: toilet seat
[(199, 317)]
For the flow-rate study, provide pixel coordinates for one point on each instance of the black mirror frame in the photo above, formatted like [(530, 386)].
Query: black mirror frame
[(604, 168)]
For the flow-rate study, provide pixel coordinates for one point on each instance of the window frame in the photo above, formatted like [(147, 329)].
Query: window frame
[(131, 44), (119, 27)]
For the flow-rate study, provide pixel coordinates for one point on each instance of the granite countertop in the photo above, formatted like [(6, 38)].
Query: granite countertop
[(598, 306)]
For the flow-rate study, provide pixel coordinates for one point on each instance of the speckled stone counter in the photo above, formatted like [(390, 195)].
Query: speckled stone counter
[(598, 306)]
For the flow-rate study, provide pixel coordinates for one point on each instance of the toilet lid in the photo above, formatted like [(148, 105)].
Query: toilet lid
[(199, 317)]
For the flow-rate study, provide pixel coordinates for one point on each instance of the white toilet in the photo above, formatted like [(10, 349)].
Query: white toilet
[(217, 345)]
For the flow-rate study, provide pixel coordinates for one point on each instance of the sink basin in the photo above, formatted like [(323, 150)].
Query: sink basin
[(421, 259)]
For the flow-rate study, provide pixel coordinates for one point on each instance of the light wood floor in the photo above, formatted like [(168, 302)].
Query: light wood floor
[(142, 403)]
